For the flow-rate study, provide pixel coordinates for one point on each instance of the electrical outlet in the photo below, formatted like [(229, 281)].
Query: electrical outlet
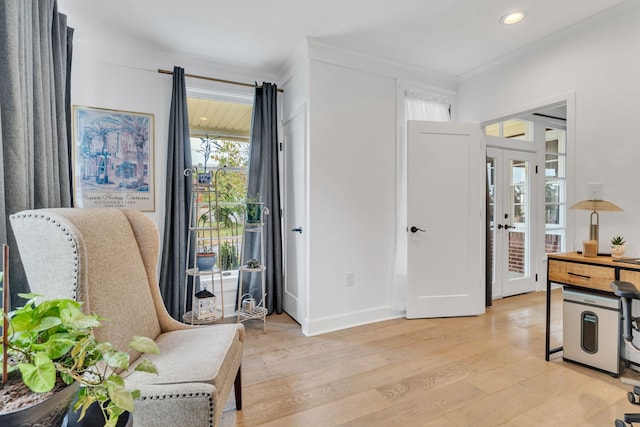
[(350, 279)]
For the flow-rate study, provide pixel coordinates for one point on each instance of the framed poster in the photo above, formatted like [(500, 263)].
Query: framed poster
[(113, 159)]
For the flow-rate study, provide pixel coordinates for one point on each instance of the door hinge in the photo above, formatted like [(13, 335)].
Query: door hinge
[(536, 169), (281, 148), (536, 277)]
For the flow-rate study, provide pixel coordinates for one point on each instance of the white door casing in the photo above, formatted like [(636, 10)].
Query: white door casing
[(446, 197), (295, 231)]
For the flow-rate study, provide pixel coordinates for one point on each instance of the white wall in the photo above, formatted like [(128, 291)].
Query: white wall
[(352, 195), (598, 61), (351, 178)]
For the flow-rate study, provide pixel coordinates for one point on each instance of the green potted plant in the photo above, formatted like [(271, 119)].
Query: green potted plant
[(254, 208), (618, 248), (50, 346)]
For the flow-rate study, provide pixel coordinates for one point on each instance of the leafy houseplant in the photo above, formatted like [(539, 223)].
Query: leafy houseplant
[(617, 240), (618, 248), (52, 342)]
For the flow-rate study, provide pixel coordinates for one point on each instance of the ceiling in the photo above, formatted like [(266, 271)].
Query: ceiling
[(449, 36), (218, 118)]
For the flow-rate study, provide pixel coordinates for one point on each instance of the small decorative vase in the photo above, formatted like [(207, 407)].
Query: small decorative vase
[(618, 250)]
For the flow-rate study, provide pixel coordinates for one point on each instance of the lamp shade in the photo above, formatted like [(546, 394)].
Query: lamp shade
[(596, 205)]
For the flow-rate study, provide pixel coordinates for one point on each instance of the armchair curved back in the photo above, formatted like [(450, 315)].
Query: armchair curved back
[(104, 257)]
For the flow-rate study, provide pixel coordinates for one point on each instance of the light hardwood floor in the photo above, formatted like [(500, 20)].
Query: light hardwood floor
[(487, 370)]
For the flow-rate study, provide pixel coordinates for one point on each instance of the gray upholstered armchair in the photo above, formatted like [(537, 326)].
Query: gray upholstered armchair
[(107, 258)]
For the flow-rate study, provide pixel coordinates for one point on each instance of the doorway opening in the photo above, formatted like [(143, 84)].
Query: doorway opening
[(527, 197)]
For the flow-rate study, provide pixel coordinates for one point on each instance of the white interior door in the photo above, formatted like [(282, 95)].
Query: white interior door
[(446, 220), (295, 232), (511, 192)]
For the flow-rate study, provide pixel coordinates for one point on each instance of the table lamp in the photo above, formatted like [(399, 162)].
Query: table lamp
[(595, 205)]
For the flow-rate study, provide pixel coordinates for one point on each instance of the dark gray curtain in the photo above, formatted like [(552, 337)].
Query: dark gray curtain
[(176, 220), (35, 116), (488, 253), (264, 181)]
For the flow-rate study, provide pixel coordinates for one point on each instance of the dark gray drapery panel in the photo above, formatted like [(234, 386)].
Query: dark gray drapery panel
[(35, 116), (488, 260), (263, 181), (176, 219)]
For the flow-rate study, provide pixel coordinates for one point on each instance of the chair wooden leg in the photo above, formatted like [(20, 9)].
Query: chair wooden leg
[(237, 385)]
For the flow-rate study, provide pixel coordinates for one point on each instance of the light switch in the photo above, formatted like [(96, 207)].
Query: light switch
[(595, 190)]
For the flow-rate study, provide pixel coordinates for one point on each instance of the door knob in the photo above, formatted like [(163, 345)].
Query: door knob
[(499, 226), (414, 229), (298, 229)]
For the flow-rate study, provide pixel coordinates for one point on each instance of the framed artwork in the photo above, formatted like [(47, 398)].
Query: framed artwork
[(113, 159)]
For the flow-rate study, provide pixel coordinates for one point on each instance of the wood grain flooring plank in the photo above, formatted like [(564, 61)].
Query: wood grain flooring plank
[(486, 370)]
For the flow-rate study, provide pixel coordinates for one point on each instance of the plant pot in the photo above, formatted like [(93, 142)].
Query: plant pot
[(48, 413), (204, 178), (254, 212), (618, 250), (206, 262), (93, 417)]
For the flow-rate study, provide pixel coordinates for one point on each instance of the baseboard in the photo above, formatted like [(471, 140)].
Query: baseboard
[(349, 320)]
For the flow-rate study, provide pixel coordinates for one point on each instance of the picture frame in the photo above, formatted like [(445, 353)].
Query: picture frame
[(113, 158)]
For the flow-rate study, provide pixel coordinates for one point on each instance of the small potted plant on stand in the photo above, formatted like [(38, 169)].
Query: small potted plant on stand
[(618, 248), (254, 208), (206, 257), (50, 347), (206, 148)]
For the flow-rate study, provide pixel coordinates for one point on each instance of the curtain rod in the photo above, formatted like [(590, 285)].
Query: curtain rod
[(213, 79)]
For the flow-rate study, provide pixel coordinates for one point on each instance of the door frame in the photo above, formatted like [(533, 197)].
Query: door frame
[(569, 100)]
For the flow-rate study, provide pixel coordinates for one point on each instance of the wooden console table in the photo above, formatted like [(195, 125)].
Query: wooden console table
[(592, 273)]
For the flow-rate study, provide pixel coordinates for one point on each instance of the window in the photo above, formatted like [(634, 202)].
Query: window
[(423, 106), (224, 126), (545, 133), (555, 189), (518, 129)]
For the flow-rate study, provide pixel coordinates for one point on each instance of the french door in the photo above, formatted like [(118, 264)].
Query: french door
[(511, 186)]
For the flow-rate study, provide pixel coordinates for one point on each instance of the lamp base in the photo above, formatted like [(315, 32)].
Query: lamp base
[(590, 248)]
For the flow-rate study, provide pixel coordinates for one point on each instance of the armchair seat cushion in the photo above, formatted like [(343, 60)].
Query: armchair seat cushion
[(183, 358)]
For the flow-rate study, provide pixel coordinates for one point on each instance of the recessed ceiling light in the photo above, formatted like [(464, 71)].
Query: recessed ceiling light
[(513, 17), (204, 118)]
